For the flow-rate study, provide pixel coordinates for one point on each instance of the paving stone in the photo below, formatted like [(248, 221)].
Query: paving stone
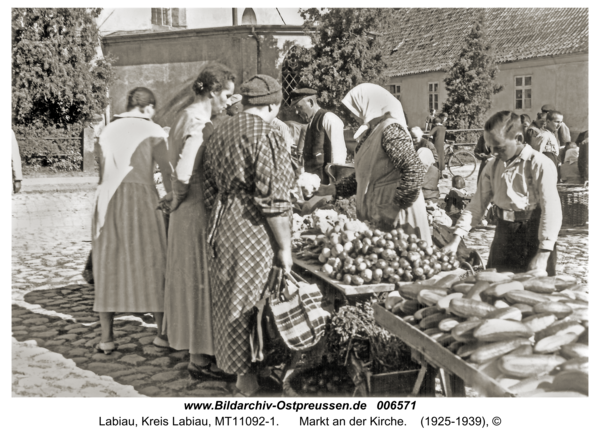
[(133, 328), (166, 376), (16, 320), (79, 330), (81, 308), (101, 356), (81, 342), (150, 391), (56, 342), (80, 360), (162, 362), (92, 335), (128, 347), (87, 319), (63, 349), (78, 351), (124, 373), (38, 328), (213, 385), (147, 340), (154, 351), (19, 333), (182, 384), (147, 369), (105, 368), (180, 355), (132, 359), (70, 337), (133, 379), (141, 334), (16, 312), (36, 321)]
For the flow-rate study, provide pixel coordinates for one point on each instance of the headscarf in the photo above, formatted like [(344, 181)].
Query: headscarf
[(368, 101), (572, 156)]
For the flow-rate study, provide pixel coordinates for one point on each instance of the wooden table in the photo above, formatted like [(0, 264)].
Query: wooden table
[(455, 372)]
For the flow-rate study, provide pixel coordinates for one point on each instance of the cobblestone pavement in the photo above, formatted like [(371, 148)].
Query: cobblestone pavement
[(52, 306)]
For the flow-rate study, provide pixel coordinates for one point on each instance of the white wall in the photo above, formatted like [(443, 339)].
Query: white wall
[(561, 81), (127, 19)]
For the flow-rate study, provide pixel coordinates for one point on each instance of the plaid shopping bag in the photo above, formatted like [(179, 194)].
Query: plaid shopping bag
[(298, 314)]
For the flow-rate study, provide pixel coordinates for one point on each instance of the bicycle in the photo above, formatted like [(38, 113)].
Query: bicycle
[(459, 162)]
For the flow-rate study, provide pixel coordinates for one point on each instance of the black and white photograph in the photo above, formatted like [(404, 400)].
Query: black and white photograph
[(285, 204)]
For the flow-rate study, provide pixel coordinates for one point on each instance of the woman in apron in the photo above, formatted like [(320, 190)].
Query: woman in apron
[(389, 174)]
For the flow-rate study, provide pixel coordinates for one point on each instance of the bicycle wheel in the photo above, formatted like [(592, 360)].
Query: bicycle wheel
[(462, 163)]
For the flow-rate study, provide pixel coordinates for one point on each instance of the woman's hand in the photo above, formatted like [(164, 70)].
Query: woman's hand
[(164, 204), (452, 247), (284, 256)]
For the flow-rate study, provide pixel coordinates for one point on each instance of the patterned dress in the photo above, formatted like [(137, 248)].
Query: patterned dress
[(247, 178)]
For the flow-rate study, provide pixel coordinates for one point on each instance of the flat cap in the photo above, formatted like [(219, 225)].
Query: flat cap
[(548, 108), (261, 90), (300, 93)]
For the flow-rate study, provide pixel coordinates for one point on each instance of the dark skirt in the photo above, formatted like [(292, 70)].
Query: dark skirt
[(515, 244)]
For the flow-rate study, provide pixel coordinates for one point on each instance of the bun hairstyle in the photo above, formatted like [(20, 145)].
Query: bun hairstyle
[(505, 125), (140, 97), (213, 78)]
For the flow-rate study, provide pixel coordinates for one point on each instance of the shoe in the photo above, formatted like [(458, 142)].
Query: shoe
[(159, 342), (107, 347), (201, 372)]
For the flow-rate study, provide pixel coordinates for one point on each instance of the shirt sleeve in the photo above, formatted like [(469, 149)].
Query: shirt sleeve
[(189, 157), (474, 212), (551, 220), (334, 127), (399, 148), (273, 176), (564, 134)]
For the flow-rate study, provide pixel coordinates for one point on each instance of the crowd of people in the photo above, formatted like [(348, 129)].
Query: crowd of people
[(199, 258)]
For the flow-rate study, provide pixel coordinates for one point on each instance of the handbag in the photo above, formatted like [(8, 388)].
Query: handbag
[(298, 313)]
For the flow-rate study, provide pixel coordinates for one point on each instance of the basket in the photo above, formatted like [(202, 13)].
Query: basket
[(574, 202)]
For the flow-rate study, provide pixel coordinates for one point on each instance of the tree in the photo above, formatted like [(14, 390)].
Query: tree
[(470, 81), (345, 51), (58, 78)]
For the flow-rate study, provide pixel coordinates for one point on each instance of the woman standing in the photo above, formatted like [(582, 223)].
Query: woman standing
[(248, 177), (389, 174), (128, 233), (188, 322)]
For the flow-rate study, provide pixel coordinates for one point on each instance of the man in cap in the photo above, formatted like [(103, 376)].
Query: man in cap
[(562, 132), (324, 143), (429, 120)]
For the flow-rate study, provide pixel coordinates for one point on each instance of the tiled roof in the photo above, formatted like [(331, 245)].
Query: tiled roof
[(431, 39)]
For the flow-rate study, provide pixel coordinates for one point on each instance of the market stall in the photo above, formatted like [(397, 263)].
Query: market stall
[(499, 334)]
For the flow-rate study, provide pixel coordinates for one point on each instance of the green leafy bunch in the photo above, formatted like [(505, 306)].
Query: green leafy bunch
[(353, 330), (346, 51), (470, 82)]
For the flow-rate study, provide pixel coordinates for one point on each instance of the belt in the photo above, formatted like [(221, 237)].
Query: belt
[(513, 216)]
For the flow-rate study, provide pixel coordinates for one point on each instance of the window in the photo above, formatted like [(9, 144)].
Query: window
[(169, 17), (290, 74), (433, 95), (523, 92), (395, 90)]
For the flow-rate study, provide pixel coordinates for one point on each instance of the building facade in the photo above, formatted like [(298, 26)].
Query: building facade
[(542, 56)]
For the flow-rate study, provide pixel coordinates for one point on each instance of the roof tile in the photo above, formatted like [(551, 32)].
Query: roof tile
[(431, 39)]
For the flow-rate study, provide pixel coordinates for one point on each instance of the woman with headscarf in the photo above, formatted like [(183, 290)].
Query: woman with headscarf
[(129, 242), (188, 319), (389, 174), (569, 171)]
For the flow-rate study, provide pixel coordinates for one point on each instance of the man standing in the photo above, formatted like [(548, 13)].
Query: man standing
[(535, 128), (444, 117), (438, 137), (324, 143), (428, 155), (547, 142), (562, 132), (483, 153), (429, 120), (16, 164), (522, 185)]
